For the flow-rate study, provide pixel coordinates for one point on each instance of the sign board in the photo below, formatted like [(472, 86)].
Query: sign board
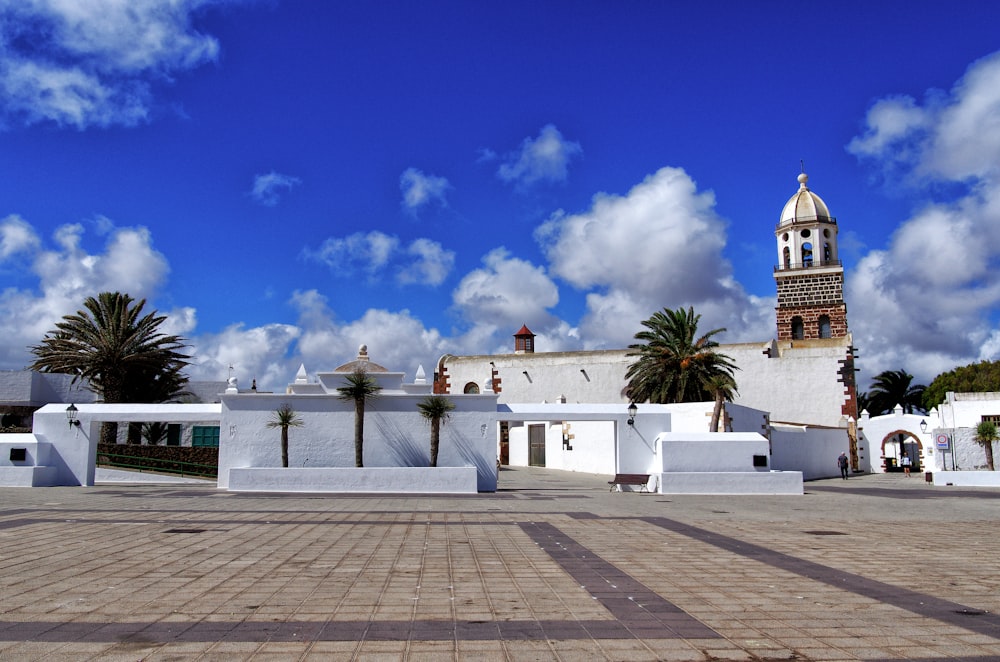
[(942, 441)]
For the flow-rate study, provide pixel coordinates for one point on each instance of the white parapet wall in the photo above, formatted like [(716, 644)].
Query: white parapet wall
[(731, 482), (25, 461), (398, 480), (967, 478), (720, 463)]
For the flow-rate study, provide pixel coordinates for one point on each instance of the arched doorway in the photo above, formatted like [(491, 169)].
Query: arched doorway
[(898, 443)]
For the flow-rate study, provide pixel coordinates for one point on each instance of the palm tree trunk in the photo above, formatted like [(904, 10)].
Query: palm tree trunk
[(435, 440), (284, 446), (989, 455), (713, 426), (359, 432)]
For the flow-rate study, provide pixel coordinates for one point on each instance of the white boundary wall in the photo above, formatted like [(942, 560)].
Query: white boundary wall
[(401, 480), (813, 451)]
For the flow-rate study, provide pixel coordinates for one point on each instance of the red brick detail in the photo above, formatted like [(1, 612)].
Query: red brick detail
[(441, 385), (810, 320), (497, 385)]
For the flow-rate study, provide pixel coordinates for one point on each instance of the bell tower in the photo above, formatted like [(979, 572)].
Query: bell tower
[(809, 275)]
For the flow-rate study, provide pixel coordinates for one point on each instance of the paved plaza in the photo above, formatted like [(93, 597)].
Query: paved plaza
[(551, 567)]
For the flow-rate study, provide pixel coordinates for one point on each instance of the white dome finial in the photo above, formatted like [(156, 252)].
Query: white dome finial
[(803, 179)]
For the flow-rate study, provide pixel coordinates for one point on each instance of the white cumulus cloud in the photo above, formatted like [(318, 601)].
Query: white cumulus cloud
[(16, 236), (545, 158), (421, 262), (87, 63), (927, 301), (267, 189), (420, 189)]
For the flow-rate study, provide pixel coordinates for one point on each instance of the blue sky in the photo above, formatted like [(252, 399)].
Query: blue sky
[(288, 179)]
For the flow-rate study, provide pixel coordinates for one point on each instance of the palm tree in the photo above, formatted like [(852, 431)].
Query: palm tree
[(894, 387), (154, 432), (435, 408), (986, 434), (673, 365), (722, 387), (284, 418), (119, 351), (865, 403), (361, 388)]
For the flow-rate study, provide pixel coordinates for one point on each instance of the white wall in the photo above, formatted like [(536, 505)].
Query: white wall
[(813, 451), (692, 452), (395, 434), (797, 381)]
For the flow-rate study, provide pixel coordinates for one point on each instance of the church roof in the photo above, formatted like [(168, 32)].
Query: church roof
[(524, 331), (805, 206)]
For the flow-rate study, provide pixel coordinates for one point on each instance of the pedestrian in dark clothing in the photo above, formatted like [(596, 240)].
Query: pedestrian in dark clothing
[(842, 463)]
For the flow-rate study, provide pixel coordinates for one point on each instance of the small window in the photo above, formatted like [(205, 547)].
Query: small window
[(472, 388), (798, 329), (824, 326), (205, 435), (174, 434), (806, 233), (991, 418)]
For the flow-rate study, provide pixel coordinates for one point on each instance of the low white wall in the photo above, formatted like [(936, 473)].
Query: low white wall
[(401, 480), (967, 478), (736, 482), (710, 452), (812, 451)]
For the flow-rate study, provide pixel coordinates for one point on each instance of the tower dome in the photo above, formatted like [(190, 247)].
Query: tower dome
[(805, 206)]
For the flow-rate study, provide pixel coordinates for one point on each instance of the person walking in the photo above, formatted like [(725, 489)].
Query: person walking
[(905, 461), (842, 463)]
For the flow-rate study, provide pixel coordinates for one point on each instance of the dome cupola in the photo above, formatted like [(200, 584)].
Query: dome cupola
[(805, 207)]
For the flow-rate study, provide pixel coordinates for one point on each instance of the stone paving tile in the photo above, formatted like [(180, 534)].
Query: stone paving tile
[(554, 567)]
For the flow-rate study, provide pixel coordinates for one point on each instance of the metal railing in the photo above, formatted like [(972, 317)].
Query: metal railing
[(807, 265), (156, 465)]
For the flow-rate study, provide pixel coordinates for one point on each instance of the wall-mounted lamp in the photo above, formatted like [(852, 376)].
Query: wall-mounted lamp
[(632, 411), (71, 413), (527, 376), (923, 425)]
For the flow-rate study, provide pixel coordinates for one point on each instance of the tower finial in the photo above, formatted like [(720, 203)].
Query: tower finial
[(802, 165)]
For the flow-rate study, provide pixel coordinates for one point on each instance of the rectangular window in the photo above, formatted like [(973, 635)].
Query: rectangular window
[(992, 418), (205, 435), (174, 434)]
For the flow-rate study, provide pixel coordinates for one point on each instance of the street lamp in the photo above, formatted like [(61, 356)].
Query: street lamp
[(71, 413), (923, 426), (632, 411)]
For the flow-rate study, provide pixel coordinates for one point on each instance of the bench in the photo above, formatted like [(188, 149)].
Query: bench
[(641, 480)]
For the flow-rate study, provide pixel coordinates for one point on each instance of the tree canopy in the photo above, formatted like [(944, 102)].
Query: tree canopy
[(894, 387), (981, 377), (674, 364), (119, 351)]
